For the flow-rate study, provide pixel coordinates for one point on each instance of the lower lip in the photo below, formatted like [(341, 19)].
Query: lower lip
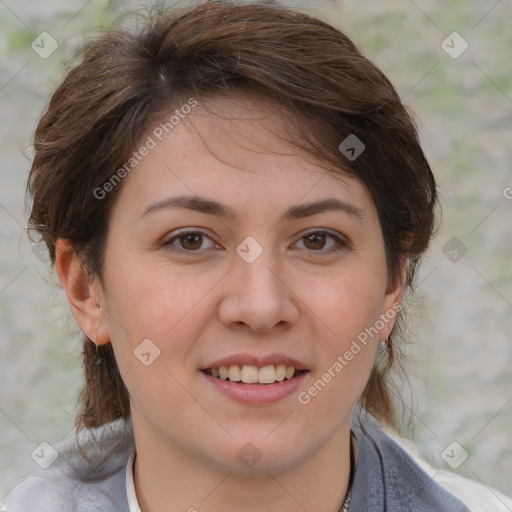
[(255, 394)]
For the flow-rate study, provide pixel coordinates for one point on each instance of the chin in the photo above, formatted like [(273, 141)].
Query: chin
[(259, 456)]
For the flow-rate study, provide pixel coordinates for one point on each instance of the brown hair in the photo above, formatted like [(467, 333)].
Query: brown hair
[(129, 77)]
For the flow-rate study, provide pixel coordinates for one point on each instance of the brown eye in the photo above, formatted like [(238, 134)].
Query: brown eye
[(318, 242), (315, 241), (189, 241)]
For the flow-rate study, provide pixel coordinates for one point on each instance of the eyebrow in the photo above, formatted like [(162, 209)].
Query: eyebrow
[(210, 207)]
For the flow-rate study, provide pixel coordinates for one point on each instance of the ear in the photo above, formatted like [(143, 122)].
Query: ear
[(393, 302), (84, 293)]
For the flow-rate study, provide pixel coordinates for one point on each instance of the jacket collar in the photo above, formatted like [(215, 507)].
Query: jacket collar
[(387, 479)]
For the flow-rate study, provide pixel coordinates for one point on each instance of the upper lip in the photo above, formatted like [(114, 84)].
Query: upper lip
[(252, 360)]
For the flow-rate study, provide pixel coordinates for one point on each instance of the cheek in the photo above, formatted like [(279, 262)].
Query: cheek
[(351, 304), (155, 315), (155, 301), (170, 308), (349, 309)]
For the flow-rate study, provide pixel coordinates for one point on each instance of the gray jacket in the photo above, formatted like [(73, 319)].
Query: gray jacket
[(386, 478)]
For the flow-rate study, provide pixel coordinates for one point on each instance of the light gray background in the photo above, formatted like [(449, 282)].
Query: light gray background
[(460, 345)]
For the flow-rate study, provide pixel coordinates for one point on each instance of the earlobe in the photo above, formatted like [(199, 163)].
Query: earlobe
[(393, 302), (84, 295)]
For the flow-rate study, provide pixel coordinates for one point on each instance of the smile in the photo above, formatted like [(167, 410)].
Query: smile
[(249, 374)]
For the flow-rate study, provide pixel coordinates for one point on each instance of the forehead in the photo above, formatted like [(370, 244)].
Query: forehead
[(234, 149)]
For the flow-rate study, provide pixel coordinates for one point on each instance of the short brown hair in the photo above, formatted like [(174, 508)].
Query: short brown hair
[(129, 77)]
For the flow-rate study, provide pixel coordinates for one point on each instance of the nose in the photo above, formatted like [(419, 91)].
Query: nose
[(258, 297)]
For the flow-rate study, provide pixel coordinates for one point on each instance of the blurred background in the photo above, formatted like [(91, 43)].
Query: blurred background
[(450, 62)]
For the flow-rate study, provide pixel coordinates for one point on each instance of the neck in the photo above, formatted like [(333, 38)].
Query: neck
[(168, 479)]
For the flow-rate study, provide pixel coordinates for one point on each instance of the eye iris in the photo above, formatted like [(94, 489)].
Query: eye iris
[(316, 238), (194, 239)]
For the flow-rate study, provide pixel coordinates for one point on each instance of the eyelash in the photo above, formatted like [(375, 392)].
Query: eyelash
[(340, 244)]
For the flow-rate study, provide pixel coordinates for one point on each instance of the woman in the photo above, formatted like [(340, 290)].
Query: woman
[(236, 202)]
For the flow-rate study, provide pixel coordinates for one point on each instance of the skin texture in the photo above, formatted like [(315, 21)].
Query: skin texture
[(295, 299)]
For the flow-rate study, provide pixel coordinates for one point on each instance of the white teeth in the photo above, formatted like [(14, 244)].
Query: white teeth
[(223, 372), (280, 372), (267, 374), (250, 374), (290, 370), (234, 373)]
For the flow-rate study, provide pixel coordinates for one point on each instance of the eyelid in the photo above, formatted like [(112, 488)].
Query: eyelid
[(341, 241), (325, 231), (175, 235)]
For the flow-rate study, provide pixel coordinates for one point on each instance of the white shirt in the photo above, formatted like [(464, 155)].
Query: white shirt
[(133, 504)]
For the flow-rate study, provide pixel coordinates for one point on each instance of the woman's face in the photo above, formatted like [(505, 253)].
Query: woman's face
[(253, 256)]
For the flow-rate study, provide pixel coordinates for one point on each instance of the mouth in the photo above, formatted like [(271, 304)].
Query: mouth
[(250, 374)]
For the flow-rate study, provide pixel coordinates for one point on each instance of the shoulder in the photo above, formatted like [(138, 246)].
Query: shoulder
[(39, 494), (73, 483), (390, 472), (51, 494), (476, 496)]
